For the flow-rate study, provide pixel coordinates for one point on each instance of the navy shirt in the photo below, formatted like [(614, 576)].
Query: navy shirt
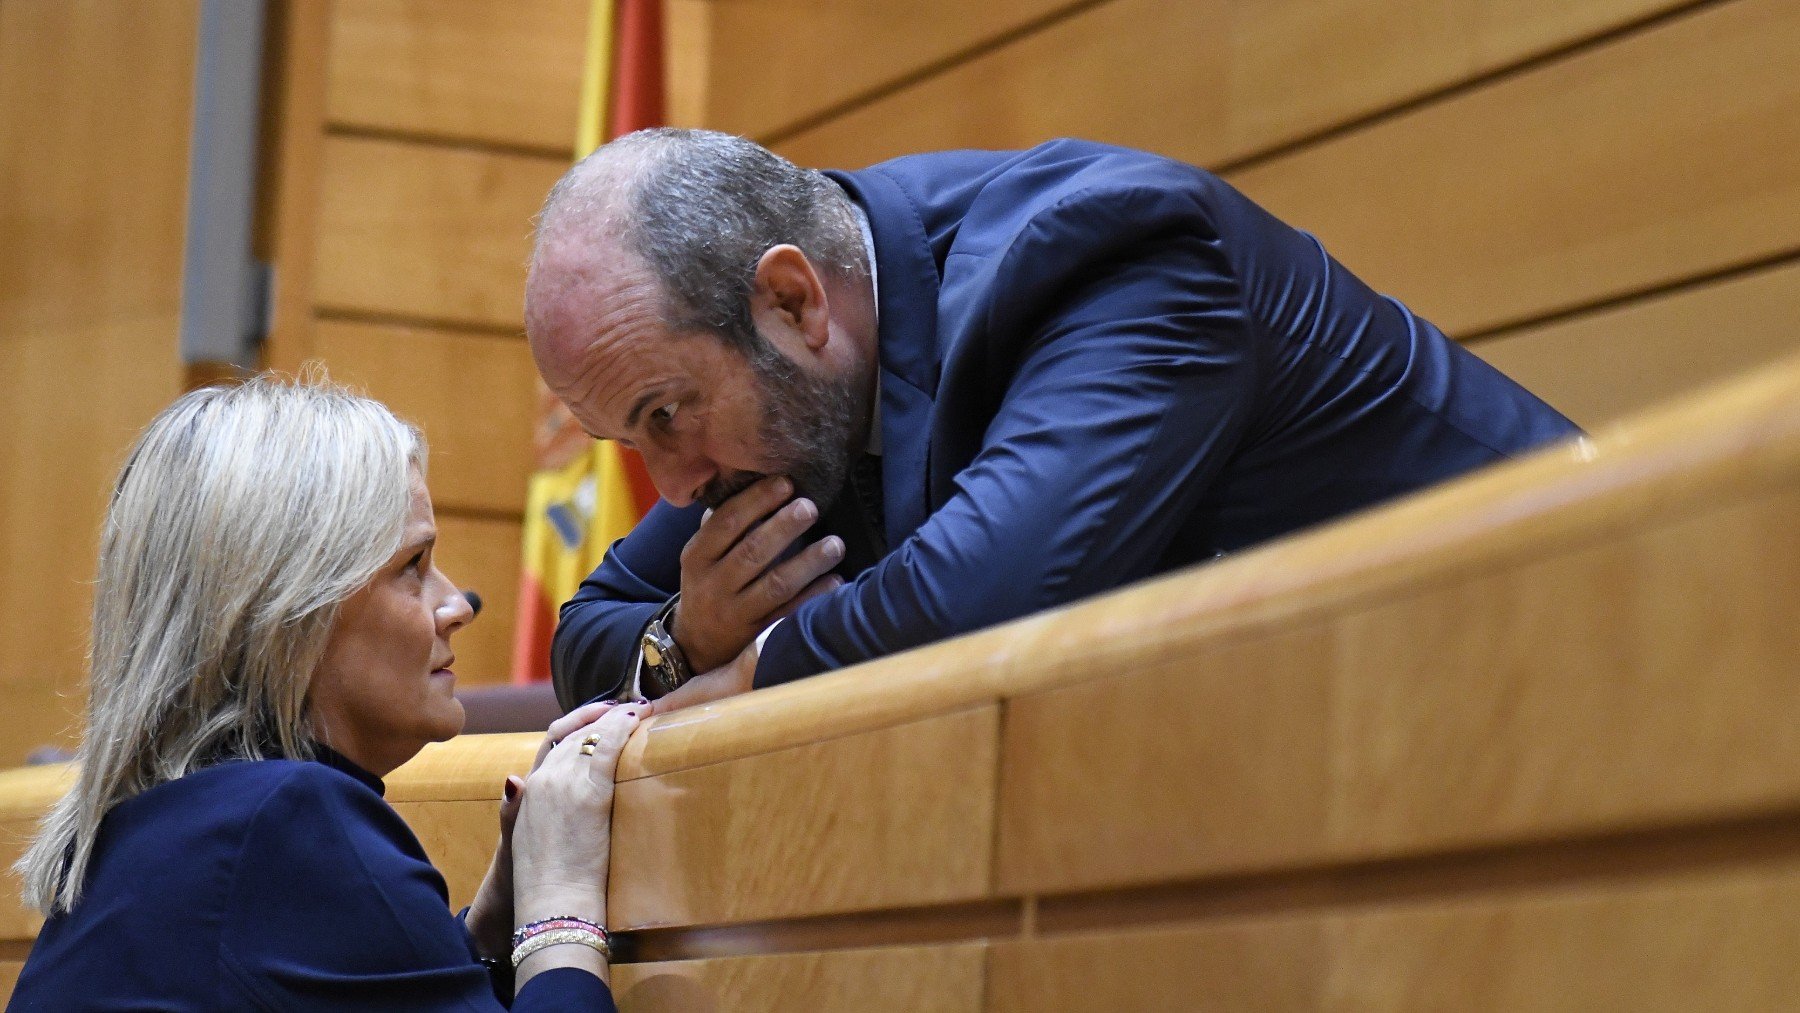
[(271, 885)]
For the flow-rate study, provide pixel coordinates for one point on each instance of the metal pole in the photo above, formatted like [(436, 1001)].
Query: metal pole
[(224, 287)]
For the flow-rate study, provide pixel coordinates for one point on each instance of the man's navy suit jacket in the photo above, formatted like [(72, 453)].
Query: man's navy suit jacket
[(1096, 365)]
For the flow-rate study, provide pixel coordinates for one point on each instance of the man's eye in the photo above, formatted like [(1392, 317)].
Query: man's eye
[(666, 414)]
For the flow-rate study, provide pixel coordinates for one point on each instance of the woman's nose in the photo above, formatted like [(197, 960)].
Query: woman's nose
[(455, 611)]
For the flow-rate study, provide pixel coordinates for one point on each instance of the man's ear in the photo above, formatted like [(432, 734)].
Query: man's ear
[(789, 298)]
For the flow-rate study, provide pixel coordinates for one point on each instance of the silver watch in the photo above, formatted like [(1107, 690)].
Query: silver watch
[(664, 664)]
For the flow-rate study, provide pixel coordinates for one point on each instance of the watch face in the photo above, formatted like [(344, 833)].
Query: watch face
[(652, 654)]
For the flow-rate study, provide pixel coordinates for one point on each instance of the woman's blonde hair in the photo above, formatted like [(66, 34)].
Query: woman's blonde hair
[(242, 519)]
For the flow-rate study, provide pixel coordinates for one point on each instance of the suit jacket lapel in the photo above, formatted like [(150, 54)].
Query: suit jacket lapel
[(905, 442), (907, 341)]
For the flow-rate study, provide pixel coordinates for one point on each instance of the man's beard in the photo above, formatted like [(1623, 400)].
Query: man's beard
[(808, 428)]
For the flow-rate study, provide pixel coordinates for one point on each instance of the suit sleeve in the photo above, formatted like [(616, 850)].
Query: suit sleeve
[(335, 907), (595, 648), (1132, 382)]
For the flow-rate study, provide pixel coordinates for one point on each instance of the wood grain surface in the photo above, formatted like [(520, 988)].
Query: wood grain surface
[(721, 75), (474, 395), (1577, 692), (481, 552), (427, 233), (93, 194), (1209, 82), (491, 71), (289, 231), (1716, 939), (1601, 367), (944, 979), (877, 694), (468, 768), (459, 838), (897, 817), (1102, 66), (26, 793), (1658, 156)]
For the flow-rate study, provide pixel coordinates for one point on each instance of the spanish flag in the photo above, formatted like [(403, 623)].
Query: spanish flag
[(586, 494)]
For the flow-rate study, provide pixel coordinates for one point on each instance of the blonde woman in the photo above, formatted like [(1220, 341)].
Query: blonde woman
[(270, 638)]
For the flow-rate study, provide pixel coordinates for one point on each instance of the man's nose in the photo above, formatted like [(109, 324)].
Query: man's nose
[(678, 477)]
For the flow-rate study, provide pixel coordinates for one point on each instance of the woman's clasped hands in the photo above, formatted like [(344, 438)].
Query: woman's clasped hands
[(555, 830)]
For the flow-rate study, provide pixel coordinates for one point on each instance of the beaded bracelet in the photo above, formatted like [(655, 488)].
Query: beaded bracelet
[(526, 931), (555, 937), (532, 937)]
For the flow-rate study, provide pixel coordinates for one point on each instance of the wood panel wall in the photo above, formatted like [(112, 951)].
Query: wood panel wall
[(418, 140), (1572, 188), (25, 795), (95, 99)]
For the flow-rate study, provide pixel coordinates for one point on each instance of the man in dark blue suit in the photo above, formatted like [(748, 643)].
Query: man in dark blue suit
[(890, 406)]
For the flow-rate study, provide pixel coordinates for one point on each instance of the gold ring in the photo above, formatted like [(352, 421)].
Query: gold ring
[(588, 744)]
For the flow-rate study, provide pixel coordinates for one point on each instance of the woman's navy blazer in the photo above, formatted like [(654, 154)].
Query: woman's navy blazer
[(269, 885)]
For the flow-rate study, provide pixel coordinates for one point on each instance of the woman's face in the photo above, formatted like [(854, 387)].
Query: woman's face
[(384, 688)]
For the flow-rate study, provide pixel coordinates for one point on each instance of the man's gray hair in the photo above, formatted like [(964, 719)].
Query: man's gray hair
[(701, 208), (242, 520)]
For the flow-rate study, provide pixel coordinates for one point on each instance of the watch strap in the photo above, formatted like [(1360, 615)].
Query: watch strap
[(664, 665)]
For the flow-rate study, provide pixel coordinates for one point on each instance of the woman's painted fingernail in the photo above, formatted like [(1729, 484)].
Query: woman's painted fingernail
[(512, 790)]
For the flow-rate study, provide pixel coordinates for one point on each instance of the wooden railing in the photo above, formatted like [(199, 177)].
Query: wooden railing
[(1527, 740), (24, 796)]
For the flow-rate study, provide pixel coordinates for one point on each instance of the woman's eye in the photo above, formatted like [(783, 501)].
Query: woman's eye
[(417, 563)]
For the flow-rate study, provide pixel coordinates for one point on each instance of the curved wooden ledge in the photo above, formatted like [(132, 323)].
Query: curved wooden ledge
[(1487, 746), (25, 794), (1731, 439), (467, 768)]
